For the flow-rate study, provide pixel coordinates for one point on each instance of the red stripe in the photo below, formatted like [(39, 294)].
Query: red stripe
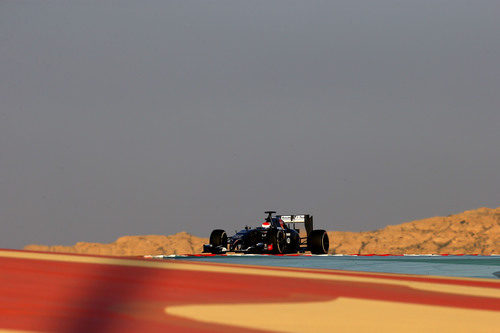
[(64, 296)]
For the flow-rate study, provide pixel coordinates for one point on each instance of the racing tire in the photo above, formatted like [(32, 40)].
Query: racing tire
[(278, 240), (318, 242), (218, 237)]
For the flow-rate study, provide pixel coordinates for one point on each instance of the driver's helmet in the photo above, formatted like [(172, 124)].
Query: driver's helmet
[(266, 224)]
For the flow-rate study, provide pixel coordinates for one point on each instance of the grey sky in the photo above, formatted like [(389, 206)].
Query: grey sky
[(152, 117)]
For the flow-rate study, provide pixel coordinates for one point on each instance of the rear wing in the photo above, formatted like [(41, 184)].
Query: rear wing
[(292, 220)]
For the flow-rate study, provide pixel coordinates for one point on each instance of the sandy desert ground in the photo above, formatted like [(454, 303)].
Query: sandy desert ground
[(471, 232)]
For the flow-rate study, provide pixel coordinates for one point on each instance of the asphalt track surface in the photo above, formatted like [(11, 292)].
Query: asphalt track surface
[(443, 265), (45, 292)]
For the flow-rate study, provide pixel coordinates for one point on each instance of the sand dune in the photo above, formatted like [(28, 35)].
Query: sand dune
[(471, 232)]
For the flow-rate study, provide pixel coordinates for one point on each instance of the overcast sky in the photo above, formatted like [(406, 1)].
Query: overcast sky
[(153, 117)]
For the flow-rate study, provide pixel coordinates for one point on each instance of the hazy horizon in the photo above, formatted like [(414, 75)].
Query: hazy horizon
[(125, 118)]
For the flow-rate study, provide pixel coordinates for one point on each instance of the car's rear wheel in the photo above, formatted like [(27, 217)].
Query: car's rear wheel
[(278, 240), (218, 237), (318, 242)]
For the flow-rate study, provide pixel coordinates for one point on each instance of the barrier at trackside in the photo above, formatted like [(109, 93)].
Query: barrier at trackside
[(312, 255)]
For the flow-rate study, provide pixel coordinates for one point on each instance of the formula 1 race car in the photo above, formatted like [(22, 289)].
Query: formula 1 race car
[(277, 235)]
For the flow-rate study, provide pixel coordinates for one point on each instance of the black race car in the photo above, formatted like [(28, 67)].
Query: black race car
[(277, 235)]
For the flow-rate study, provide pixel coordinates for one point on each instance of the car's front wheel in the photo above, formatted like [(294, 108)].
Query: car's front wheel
[(278, 240), (218, 237)]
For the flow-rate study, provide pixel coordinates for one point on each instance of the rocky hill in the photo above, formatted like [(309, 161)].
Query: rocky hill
[(471, 232), (180, 243)]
